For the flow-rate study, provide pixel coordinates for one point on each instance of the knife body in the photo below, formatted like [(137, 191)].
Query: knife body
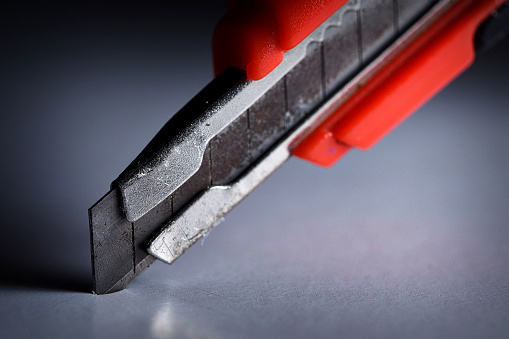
[(236, 132)]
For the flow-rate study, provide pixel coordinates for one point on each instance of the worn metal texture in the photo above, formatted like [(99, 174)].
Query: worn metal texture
[(229, 151), (409, 10), (176, 152), (112, 245), (207, 211), (341, 52), (144, 227), (304, 84), (267, 119), (194, 185), (375, 32)]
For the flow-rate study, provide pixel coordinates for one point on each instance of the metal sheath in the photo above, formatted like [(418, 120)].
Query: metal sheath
[(341, 52), (230, 151), (112, 246), (376, 34)]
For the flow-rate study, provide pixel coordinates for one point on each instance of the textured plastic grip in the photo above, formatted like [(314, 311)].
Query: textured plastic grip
[(424, 67), (255, 34)]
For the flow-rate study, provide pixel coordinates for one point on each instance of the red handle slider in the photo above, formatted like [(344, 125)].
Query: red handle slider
[(436, 57), (255, 34)]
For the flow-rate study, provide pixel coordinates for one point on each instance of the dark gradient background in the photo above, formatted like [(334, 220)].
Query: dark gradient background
[(410, 239)]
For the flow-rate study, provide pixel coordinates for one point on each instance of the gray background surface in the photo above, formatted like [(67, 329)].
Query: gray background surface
[(410, 239)]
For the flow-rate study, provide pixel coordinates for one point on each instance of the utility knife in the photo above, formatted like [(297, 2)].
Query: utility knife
[(309, 78)]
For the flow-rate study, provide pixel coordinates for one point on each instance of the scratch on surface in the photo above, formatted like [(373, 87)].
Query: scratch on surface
[(168, 247), (183, 233)]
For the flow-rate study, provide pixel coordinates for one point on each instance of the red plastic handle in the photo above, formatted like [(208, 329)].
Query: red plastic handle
[(255, 34), (424, 67)]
